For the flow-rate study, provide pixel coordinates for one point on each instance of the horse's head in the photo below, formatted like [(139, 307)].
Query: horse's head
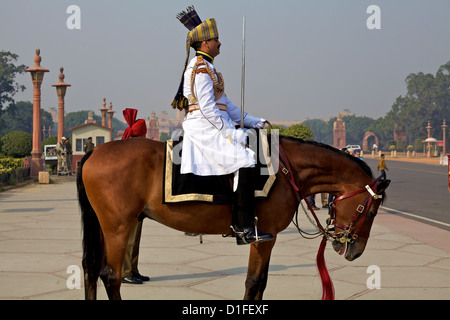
[(321, 168), (352, 215)]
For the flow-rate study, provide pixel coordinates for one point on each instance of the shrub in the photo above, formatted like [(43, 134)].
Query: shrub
[(418, 144), (400, 145), (11, 171), (17, 144), (298, 131)]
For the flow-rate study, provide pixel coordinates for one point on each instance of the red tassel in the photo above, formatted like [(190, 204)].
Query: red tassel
[(327, 283)]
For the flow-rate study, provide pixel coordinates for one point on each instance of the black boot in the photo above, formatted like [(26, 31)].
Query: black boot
[(244, 222)]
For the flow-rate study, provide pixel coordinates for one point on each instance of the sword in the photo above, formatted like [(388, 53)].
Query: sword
[(243, 73)]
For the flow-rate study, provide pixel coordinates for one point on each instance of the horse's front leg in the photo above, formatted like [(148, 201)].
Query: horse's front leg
[(258, 269)]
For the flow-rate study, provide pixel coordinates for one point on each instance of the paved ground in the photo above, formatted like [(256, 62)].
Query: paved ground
[(419, 190), (40, 239)]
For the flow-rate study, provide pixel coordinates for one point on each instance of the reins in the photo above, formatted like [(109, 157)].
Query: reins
[(351, 229), (349, 233)]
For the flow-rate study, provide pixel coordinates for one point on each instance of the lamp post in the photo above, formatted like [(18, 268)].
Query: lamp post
[(110, 118), (444, 127), (428, 136), (37, 76), (104, 111), (61, 88)]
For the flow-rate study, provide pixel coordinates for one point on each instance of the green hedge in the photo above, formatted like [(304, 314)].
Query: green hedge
[(12, 171), (16, 144)]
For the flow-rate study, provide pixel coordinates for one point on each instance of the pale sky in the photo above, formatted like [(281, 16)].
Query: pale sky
[(304, 58)]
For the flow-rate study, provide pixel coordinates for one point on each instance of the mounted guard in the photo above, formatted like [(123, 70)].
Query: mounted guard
[(211, 144)]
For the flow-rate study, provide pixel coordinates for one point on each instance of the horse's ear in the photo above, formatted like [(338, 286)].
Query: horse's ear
[(383, 185)]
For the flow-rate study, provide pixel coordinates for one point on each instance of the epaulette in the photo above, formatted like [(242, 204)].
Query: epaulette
[(218, 82), (201, 70), (200, 62)]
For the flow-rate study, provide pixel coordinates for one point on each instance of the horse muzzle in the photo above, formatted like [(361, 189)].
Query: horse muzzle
[(350, 249)]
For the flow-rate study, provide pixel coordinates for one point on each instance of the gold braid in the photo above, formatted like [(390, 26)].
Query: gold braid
[(219, 86)]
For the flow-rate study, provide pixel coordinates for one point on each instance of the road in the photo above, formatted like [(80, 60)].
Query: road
[(417, 190)]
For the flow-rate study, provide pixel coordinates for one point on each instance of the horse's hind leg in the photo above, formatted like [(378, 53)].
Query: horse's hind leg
[(258, 270), (112, 268), (90, 287)]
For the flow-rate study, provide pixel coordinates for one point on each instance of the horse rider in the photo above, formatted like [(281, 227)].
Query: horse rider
[(211, 143)]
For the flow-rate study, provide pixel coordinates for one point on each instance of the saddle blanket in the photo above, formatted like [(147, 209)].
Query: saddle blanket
[(179, 187)]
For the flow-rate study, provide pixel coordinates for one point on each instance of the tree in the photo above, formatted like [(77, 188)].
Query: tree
[(321, 130), (383, 128), (17, 144), (8, 72), (298, 131), (18, 116), (356, 127), (427, 99)]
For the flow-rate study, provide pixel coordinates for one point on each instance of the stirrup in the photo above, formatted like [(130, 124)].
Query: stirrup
[(250, 234)]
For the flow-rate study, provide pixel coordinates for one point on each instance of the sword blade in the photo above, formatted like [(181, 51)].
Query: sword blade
[(243, 74)]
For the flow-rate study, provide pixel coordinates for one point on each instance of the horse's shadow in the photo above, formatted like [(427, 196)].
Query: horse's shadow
[(225, 272)]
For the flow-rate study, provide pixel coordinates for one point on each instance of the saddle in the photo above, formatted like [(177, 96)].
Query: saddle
[(179, 187)]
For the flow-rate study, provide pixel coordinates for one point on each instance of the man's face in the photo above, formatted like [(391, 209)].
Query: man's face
[(212, 47)]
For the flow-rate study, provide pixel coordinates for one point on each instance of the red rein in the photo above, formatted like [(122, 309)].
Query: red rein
[(327, 283)]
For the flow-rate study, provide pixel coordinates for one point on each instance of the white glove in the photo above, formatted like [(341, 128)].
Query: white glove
[(241, 137), (260, 124)]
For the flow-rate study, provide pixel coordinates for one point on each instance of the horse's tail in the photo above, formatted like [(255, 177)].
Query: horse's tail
[(92, 237)]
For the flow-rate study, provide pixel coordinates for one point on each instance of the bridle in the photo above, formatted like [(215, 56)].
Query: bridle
[(351, 231)]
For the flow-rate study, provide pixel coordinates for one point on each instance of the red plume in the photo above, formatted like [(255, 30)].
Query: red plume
[(136, 127)]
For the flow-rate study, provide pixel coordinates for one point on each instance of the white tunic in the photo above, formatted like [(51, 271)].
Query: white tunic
[(207, 149)]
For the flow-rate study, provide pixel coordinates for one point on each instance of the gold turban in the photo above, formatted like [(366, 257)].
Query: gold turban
[(198, 31)]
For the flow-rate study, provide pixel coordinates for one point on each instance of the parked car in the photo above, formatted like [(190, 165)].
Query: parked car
[(353, 148)]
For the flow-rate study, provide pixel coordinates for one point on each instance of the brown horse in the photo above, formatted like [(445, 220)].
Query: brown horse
[(118, 179)]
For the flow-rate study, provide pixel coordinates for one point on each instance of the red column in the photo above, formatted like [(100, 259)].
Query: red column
[(37, 76), (61, 88)]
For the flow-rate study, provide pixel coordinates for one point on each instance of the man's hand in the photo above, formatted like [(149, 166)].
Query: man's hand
[(260, 124)]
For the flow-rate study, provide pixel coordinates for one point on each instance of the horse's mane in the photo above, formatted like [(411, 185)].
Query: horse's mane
[(364, 167)]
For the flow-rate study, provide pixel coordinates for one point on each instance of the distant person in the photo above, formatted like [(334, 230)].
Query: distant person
[(375, 147), (358, 155), (89, 145), (130, 272), (382, 167), (61, 155), (69, 156), (312, 202), (64, 155)]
